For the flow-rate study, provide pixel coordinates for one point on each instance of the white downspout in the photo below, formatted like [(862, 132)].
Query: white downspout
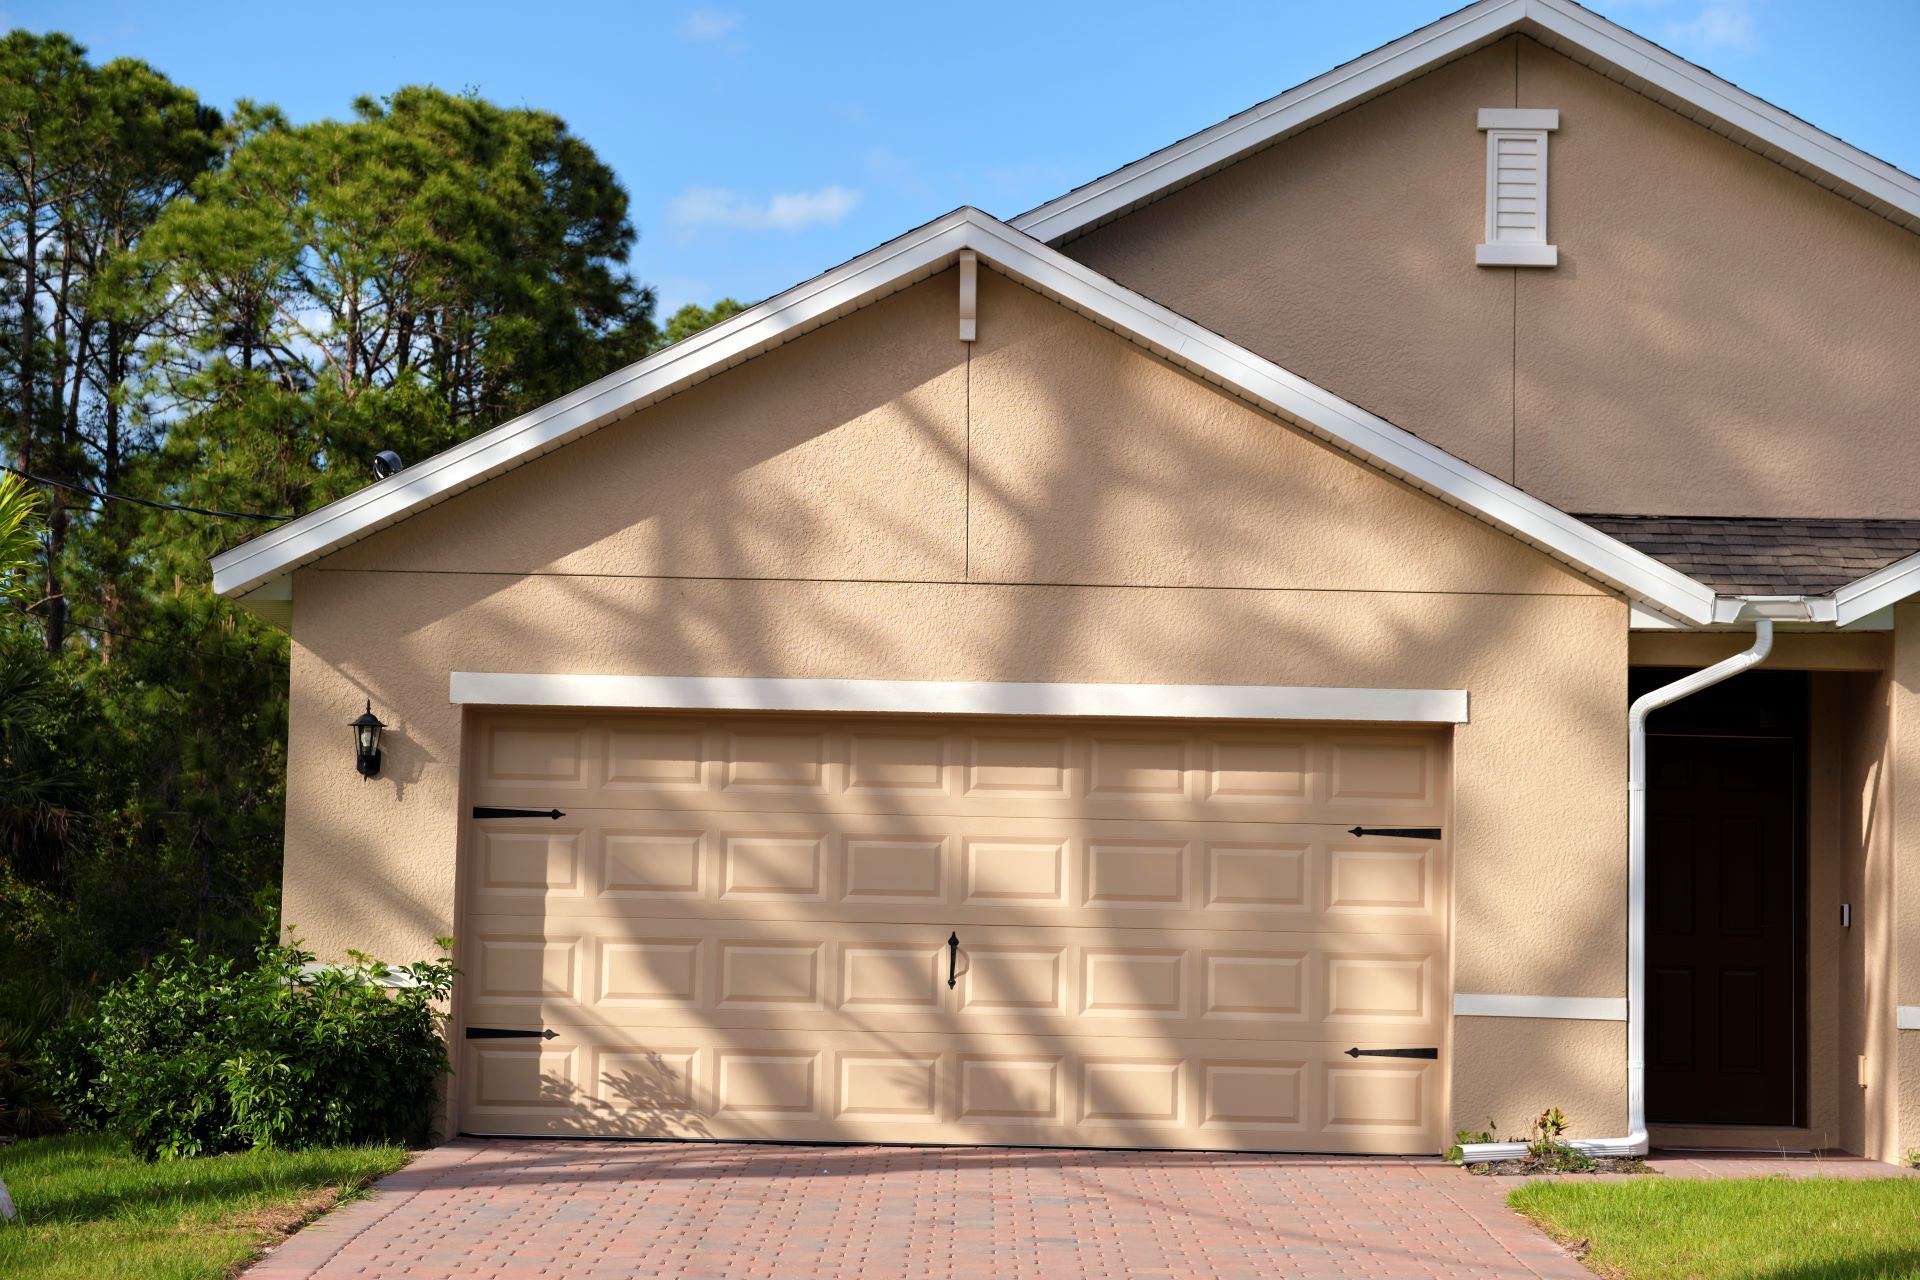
[(1635, 1141)]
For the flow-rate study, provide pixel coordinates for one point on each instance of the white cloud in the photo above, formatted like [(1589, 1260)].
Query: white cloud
[(1720, 25), (710, 24), (787, 211)]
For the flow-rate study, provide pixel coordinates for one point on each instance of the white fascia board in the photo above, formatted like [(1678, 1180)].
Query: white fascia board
[(1881, 589), (913, 257), (1611, 49), (958, 697), (1584, 1008), (888, 268)]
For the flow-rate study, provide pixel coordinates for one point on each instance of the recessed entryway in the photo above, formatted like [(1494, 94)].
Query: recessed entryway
[(1726, 947)]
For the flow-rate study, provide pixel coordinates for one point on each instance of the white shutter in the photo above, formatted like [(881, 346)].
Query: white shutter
[(1517, 188)]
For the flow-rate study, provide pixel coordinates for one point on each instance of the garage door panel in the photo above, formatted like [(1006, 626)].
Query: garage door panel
[(1162, 984), (1007, 768), (1095, 873), (1032, 1090), (1167, 936)]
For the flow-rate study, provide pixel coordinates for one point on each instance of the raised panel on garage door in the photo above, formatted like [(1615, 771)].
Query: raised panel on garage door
[(1167, 935)]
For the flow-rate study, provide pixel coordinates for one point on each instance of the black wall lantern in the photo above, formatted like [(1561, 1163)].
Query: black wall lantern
[(366, 742)]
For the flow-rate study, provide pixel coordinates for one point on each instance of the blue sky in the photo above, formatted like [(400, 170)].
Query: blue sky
[(764, 142)]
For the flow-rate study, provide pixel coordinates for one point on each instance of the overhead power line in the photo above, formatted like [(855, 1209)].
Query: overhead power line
[(145, 502)]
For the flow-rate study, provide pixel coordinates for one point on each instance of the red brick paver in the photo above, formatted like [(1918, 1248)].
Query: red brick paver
[(496, 1210)]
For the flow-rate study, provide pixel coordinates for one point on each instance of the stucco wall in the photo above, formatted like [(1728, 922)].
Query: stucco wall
[(1721, 336), (1895, 877), (1052, 505)]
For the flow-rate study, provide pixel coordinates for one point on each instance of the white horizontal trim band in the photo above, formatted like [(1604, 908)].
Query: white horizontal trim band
[(1516, 255), (1519, 118), (1586, 1008), (1907, 1017), (961, 697)]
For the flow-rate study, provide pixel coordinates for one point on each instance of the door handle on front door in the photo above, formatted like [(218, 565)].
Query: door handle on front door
[(953, 960)]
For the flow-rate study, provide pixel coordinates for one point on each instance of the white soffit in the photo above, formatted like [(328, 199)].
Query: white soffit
[(894, 266), (959, 697), (1561, 25)]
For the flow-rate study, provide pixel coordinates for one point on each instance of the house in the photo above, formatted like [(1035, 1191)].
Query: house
[(1156, 672)]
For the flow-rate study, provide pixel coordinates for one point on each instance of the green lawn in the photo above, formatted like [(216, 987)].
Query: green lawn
[(91, 1211), (1753, 1228)]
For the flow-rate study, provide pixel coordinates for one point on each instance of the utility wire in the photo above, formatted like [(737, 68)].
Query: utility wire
[(145, 502)]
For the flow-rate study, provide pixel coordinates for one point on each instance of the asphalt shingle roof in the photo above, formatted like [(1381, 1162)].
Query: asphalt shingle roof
[(1754, 555)]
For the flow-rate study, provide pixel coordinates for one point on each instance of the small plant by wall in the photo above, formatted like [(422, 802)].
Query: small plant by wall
[(1471, 1137), (1548, 1149)]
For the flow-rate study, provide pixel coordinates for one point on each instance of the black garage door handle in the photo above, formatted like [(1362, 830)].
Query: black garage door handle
[(508, 1033)]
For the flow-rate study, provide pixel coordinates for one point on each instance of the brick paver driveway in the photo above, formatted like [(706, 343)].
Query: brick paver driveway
[(602, 1210)]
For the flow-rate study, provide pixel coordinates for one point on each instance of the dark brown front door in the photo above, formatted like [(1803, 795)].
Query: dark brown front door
[(1723, 959)]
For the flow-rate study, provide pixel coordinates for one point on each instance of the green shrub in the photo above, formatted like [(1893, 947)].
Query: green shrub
[(196, 1055)]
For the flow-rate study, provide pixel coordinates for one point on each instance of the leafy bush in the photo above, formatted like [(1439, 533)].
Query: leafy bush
[(196, 1055)]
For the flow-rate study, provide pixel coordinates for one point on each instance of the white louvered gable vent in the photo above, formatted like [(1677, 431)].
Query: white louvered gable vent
[(1517, 188)]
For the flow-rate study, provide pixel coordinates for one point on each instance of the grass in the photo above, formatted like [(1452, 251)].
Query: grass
[(89, 1210), (1753, 1228)]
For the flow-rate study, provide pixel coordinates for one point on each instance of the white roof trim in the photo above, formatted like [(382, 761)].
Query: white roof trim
[(1579, 33), (1881, 589), (959, 697), (897, 264)]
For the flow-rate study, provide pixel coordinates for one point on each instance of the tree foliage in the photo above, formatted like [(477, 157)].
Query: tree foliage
[(692, 318), (232, 312)]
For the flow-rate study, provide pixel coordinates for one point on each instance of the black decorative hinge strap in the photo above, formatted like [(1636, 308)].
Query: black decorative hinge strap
[(1393, 1053), (1407, 833), (508, 1033), (482, 811)]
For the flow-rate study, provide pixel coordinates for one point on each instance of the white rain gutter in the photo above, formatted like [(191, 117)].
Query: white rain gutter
[(1763, 611)]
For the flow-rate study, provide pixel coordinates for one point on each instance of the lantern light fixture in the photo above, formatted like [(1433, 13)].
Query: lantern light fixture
[(366, 741)]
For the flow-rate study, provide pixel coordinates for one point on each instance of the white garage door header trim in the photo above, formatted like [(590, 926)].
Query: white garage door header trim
[(960, 697)]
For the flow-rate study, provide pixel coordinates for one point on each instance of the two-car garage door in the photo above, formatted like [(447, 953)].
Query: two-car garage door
[(952, 931)]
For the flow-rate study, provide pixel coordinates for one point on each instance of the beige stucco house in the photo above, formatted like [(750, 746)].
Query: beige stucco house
[(1157, 672)]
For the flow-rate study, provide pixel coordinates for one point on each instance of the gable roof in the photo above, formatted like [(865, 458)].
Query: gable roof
[(905, 261), (1577, 32), (1767, 556)]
